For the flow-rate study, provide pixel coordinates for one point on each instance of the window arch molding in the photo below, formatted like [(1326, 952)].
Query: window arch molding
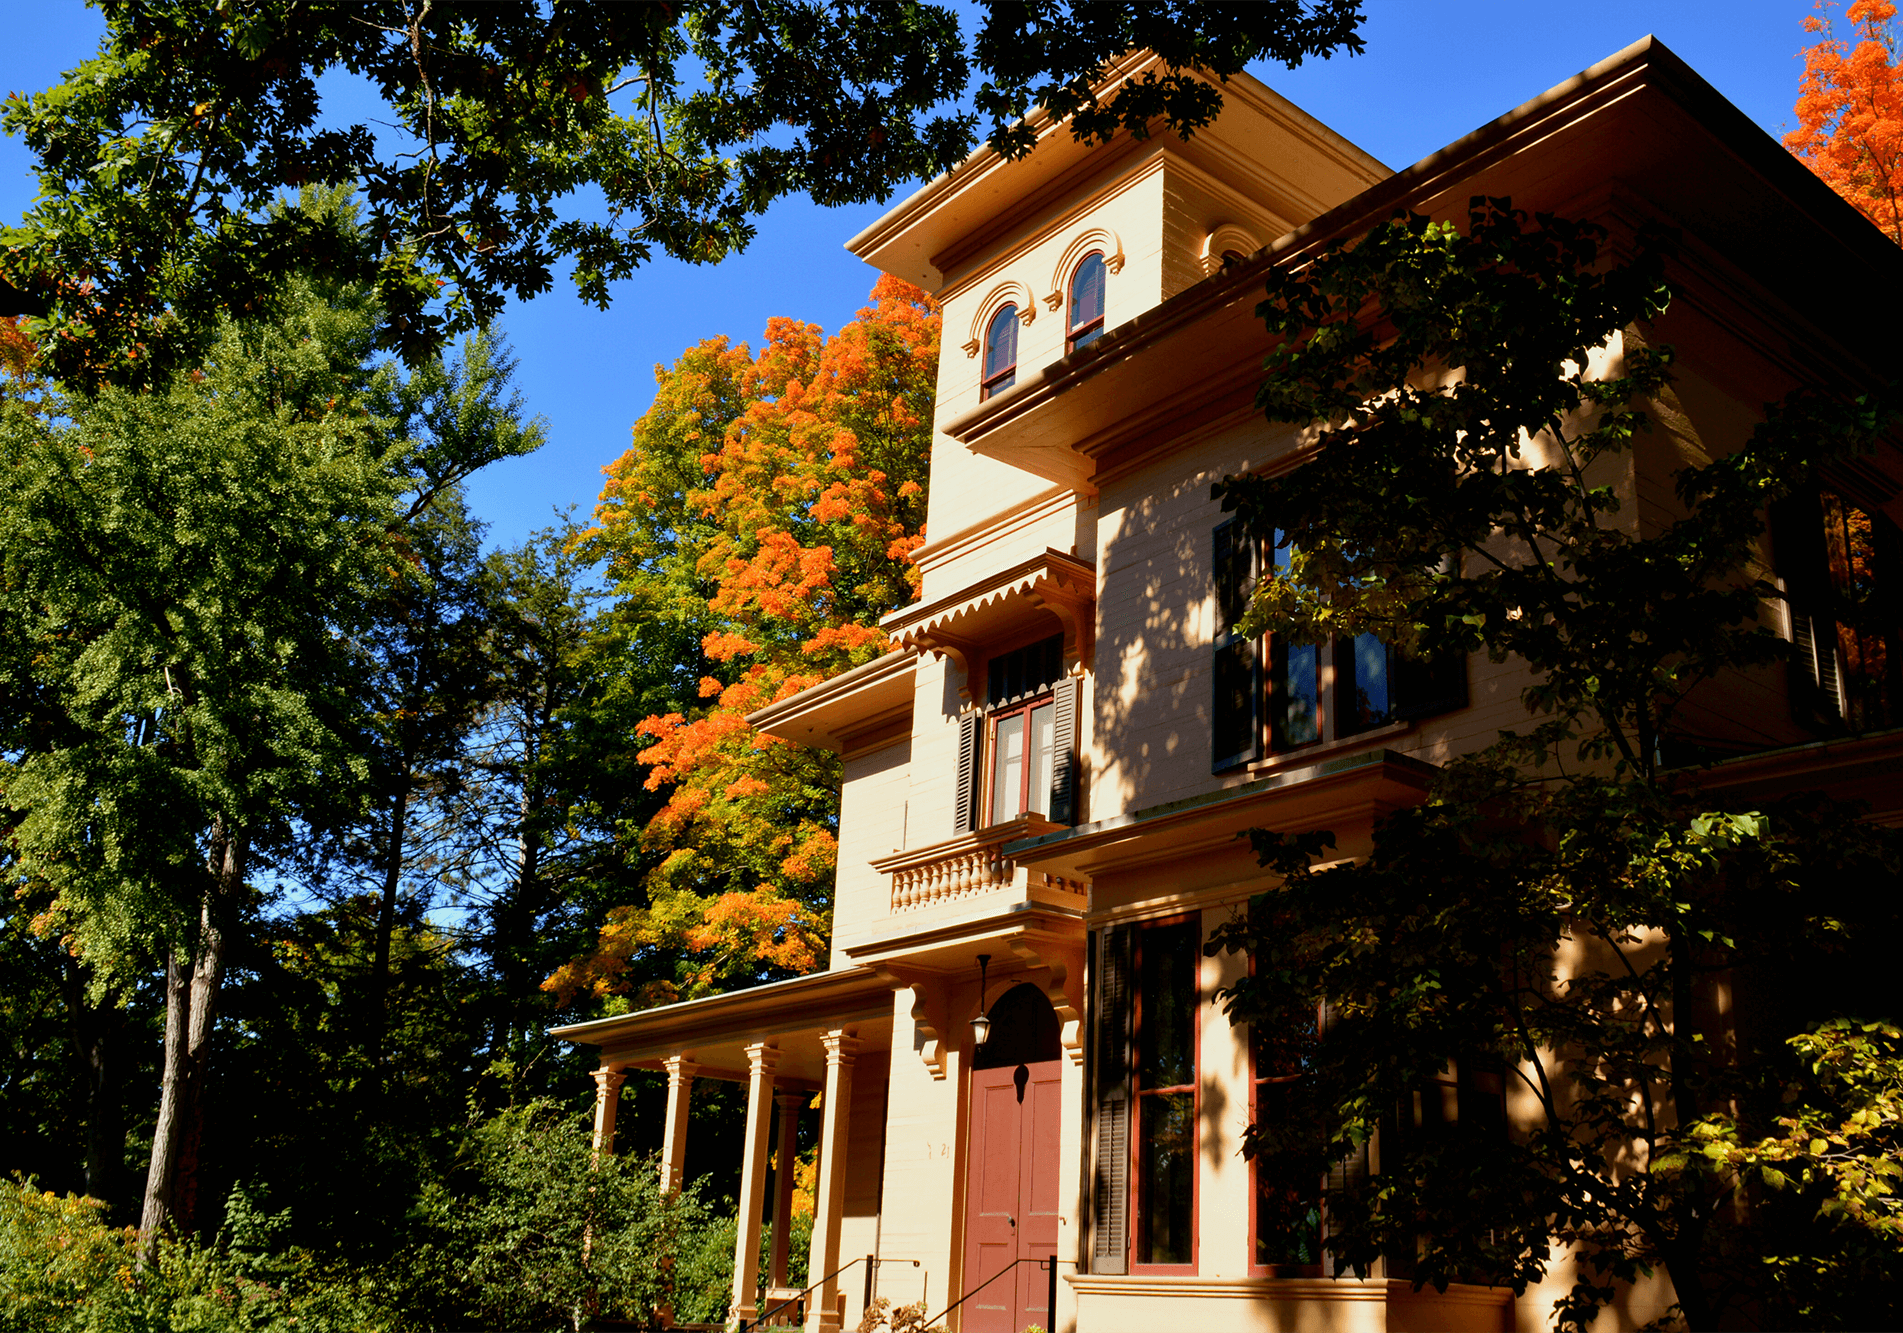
[(1225, 237), (1012, 292), (1095, 238)]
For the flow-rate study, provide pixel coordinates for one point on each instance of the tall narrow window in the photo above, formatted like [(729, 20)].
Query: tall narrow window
[(1001, 353), (1028, 750), (1086, 303), (1166, 1022), (1840, 563)]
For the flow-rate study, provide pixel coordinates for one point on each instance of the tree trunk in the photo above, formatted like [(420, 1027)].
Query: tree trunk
[(192, 978)]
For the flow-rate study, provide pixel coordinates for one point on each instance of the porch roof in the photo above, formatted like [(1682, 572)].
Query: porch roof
[(1365, 784), (715, 1031)]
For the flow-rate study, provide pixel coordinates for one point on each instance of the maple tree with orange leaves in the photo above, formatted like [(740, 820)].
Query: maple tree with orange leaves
[(1850, 111), (772, 501)]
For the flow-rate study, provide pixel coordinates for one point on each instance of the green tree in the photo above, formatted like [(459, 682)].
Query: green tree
[(161, 157), (186, 574), (1557, 913)]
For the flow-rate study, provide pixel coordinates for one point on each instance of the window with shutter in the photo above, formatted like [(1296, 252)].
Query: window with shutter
[(1063, 803), (1279, 696), (1025, 758), (1839, 563)]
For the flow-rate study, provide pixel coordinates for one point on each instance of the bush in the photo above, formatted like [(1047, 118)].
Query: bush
[(532, 1231)]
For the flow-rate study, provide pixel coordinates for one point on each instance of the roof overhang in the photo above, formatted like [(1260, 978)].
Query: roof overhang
[(966, 626), (1292, 163), (1637, 135), (1353, 790), (1861, 768), (715, 1031), (856, 710)]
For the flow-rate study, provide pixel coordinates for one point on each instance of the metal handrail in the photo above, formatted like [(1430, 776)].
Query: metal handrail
[(762, 1318), (1050, 1312)]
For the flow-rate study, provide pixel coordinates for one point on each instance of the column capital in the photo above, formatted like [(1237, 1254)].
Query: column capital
[(762, 1058), (609, 1078), (680, 1069), (791, 1100), (842, 1046)]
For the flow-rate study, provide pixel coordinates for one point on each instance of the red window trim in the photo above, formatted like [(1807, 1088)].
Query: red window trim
[(1016, 707), (1134, 1194)]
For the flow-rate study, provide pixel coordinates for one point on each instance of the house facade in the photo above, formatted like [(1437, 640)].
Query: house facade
[(1045, 782)]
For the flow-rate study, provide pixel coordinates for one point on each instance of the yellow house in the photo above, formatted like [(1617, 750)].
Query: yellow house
[(1044, 783)]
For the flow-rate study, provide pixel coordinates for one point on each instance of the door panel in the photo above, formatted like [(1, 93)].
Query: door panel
[(1011, 1193)]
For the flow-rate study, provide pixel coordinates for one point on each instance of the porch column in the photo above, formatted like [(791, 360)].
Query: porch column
[(680, 1084), (608, 1080), (789, 1104), (761, 1059), (842, 1049)]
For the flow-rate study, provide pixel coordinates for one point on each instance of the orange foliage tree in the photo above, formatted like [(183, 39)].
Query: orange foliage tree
[(771, 502), (1850, 112)]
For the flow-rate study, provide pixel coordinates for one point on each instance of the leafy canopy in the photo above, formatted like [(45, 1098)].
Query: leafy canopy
[(160, 158), (1549, 936)]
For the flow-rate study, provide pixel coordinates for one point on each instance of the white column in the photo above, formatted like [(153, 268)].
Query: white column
[(789, 1104), (608, 1080), (761, 1060), (680, 1086), (842, 1048)]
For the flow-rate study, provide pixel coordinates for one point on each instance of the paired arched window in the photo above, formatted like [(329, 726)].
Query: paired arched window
[(1001, 353), (1086, 302)]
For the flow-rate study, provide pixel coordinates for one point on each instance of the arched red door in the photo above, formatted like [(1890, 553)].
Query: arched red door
[(1011, 1205)]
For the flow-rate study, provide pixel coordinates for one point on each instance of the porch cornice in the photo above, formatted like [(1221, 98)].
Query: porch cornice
[(1363, 785)]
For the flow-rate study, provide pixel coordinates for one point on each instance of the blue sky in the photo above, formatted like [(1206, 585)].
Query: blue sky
[(1432, 72)]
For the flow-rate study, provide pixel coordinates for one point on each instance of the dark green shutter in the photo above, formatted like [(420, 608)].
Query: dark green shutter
[(1235, 711), (1110, 1191), (1064, 751), (965, 806)]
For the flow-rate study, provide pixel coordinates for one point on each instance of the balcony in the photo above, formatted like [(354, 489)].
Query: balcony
[(973, 865)]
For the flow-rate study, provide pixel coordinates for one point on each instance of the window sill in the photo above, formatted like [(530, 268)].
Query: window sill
[(1308, 754)]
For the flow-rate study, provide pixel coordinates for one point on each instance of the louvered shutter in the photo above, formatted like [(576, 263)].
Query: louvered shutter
[(965, 803), (1235, 710), (1110, 1195), (1064, 751)]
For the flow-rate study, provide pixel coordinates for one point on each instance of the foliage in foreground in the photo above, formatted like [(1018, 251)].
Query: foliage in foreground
[(528, 1231), (1566, 930)]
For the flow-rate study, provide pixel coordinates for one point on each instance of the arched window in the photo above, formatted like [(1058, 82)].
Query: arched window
[(1001, 353), (1086, 302)]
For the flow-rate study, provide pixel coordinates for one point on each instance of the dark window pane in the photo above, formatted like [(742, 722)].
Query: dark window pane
[(1362, 669), (1288, 1216), (1166, 1167), (1297, 708), (1168, 1013)]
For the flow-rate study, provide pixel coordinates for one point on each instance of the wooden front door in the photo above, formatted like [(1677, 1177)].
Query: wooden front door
[(1011, 1186)]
